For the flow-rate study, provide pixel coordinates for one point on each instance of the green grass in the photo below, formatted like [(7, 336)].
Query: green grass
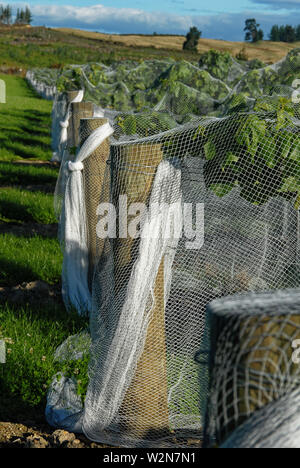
[(32, 337), (25, 123), (32, 334), (17, 174), (25, 134), (25, 206), (25, 259), (42, 47)]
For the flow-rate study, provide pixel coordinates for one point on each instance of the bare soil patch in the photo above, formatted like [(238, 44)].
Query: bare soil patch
[(30, 435)]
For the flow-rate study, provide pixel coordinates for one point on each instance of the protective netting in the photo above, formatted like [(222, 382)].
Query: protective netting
[(156, 223), (274, 426), (216, 84), (61, 115), (43, 81), (176, 92), (253, 341)]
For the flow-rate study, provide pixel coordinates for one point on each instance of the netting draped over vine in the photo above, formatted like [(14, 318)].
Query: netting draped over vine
[(171, 214), (218, 84), (40, 82), (150, 294)]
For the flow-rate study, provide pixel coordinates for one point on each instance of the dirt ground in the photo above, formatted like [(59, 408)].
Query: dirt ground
[(31, 435)]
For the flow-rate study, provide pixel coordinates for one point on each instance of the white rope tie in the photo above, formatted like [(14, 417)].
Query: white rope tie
[(64, 124), (73, 224), (75, 166)]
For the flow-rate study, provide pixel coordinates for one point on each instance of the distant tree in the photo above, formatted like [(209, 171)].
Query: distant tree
[(275, 34), (17, 20), (284, 33), (260, 35), (23, 16), (253, 33), (192, 39), (7, 15), (289, 34), (28, 16)]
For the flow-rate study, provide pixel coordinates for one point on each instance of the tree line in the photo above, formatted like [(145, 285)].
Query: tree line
[(23, 16), (253, 32), (278, 33), (285, 33)]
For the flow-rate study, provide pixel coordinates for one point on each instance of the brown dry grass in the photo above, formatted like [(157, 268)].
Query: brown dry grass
[(266, 51)]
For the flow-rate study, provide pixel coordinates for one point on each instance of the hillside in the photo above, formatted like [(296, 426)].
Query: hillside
[(266, 51), (28, 47)]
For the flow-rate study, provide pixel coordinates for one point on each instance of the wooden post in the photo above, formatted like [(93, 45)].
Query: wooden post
[(144, 412), (93, 176), (253, 345), (71, 95), (269, 352), (79, 110)]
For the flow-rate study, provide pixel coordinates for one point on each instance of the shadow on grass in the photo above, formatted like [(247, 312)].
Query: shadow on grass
[(15, 174), (48, 231), (29, 152), (26, 133), (16, 211), (14, 410), (12, 273)]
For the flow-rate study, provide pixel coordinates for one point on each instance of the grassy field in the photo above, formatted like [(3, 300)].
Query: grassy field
[(266, 51), (22, 48), (29, 253)]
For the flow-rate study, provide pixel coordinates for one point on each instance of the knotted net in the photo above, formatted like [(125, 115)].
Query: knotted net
[(254, 366), (173, 220)]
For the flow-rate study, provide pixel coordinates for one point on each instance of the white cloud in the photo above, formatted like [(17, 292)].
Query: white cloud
[(110, 19), (130, 20)]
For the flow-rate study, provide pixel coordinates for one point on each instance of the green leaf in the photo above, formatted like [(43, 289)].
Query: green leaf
[(295, 154), (230, 160), (221, 189), (210, 150), (286, 146), (200, 132), (250, 133), (269, 151), (291, 184)]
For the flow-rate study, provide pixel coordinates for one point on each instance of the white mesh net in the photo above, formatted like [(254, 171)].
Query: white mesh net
[(211, 209), (252, 361)]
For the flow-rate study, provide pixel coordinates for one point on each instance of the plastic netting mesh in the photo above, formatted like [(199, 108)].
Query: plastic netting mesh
[(163, 94), (280, 431), (43, 81), (211, 209), (216, 84), (252, 366)]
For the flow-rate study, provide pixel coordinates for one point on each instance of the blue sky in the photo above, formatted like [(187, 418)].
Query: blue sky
[(219, 19)]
